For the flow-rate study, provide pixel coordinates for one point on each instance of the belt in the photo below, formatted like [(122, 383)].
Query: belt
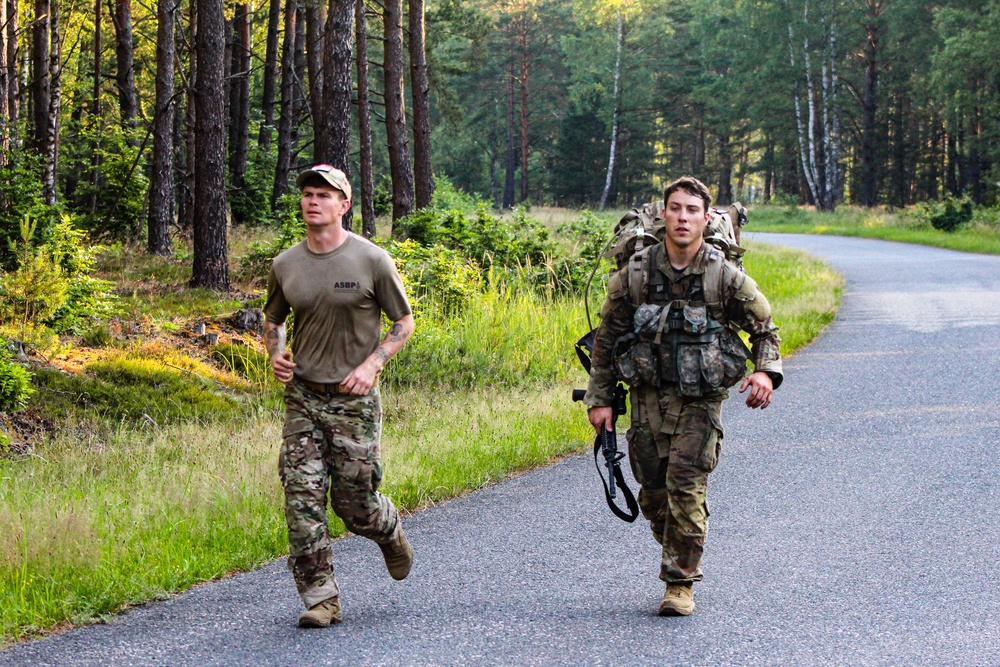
[(322, 388)]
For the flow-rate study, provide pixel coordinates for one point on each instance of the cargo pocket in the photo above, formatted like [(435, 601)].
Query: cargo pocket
[(695, 319), (300, 449), (734, 358), (623, 361), (689, 370), (646, 366), (711, 366), (710, 454)]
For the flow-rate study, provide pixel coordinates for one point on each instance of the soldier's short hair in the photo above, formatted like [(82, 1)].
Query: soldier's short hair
[(690, 185)]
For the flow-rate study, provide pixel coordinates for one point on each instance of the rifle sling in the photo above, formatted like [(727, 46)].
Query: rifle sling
[(633, 506)]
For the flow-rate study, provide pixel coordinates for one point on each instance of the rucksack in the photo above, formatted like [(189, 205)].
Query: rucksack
[(643, 226)]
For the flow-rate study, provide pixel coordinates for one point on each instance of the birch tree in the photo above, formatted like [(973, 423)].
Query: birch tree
[(616, 112), (820, 154)]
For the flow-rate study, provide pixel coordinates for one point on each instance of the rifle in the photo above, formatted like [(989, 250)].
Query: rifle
[(606, 441)]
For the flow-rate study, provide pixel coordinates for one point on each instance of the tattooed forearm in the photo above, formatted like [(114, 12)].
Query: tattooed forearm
[(394, 340), (396, 333), (274, 338)]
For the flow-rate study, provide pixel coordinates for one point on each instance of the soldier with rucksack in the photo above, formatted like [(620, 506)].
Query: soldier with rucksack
[(670, 330)]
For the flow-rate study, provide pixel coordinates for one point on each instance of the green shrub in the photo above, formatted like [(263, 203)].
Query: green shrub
[(121, 185), (252, 203), (21, 197), (437, 279), (15, 381), (589, 234), (486, 238), (52, 285), (951, 213), (256, 263), (382, 197), (38, 288), (447, 197)]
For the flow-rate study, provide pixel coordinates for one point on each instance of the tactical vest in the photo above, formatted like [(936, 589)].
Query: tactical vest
[(684, 342)]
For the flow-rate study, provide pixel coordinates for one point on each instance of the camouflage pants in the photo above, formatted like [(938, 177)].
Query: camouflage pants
[(330, 447), (672, 470)]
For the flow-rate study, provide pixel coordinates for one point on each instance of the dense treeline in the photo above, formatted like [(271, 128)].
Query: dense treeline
[(179, 117)]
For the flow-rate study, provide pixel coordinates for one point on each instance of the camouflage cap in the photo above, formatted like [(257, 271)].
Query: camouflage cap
[(335, 177)]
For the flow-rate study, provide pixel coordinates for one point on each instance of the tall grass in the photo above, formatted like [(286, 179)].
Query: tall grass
[(88, 529), (144, 512)]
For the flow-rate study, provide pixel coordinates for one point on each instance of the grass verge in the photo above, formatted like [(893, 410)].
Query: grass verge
[(981, 235), (147, 511)]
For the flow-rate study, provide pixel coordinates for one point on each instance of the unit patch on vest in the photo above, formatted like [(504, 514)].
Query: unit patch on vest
[(346, 286)]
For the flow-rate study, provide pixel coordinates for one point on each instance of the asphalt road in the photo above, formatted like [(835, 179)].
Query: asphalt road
[(854, 522)]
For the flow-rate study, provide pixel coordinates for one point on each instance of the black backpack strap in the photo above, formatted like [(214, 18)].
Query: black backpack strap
[(619, 479)]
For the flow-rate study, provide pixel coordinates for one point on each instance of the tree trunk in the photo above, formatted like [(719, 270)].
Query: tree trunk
[(364, 124), (961, 159), (227, 78), (124, 53), (13, 92), (40, 77), (768, 169), (287, 116), (191, 120), (210, 252), (951, 172), (270, 75), (976, 157), (161, 178), (337, 88), (615, 115), (395, 111), (742, 169), (97, 108), (239, 128), (423, 176), (524, 114), (4, 85), (315, 18), (725, 192), (868, 185), (51, 156), (511, 163), (805, 137)]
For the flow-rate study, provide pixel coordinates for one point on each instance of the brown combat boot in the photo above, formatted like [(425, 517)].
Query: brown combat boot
[(678, 600), (398, 555), (322, 615)]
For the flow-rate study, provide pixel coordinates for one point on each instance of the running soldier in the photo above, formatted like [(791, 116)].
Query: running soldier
[(337, 285)]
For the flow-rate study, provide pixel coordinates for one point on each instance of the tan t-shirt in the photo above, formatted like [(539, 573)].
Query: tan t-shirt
[(338, 299)]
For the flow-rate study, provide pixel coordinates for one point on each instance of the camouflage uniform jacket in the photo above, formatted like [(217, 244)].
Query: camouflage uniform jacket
[(743, 307)]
